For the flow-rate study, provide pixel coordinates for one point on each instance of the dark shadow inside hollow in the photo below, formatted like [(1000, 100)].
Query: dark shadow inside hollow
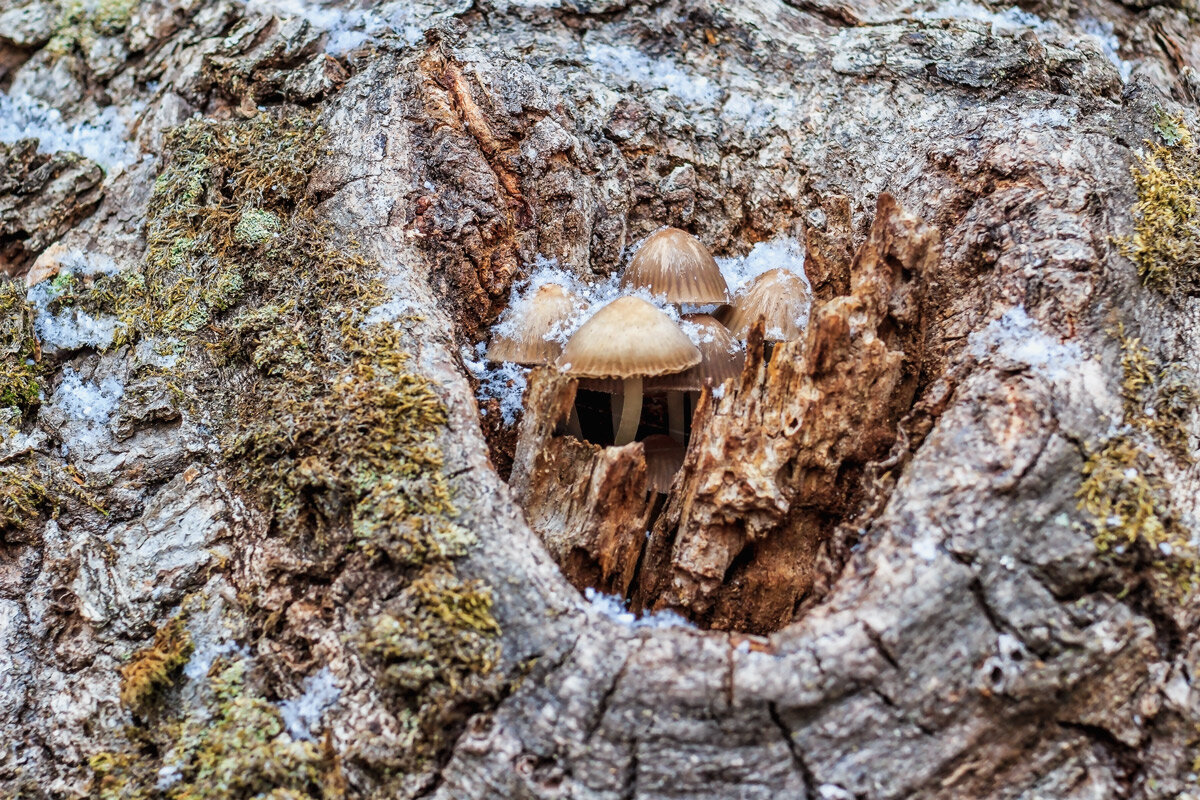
[(595, 410)]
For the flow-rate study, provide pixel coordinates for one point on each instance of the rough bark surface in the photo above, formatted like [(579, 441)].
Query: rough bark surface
[(963, 635)]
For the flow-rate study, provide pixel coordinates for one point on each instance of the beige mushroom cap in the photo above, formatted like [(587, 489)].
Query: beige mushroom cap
[(721, 357), (531, 321), (676, 264), (628, 338), (664, 459), (781, 297)]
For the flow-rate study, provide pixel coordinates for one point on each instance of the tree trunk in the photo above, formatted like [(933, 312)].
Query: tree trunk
[(257, 536)]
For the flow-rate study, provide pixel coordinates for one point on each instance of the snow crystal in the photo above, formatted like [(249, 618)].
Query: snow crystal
[(85, 400), (755, 114), (614, 609), (504, 382), (391, 311), (1104, 33), (1010, 19), (103, 138), (1015, 337), (168, 776), (350, 27), (926, 548), (71, 328), (302, 714), (207, 651), (629, 63)]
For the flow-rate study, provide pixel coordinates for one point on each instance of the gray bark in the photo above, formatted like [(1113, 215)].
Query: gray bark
[(963, 636)]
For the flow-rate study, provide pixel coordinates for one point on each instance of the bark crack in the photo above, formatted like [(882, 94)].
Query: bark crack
[(810, 785)]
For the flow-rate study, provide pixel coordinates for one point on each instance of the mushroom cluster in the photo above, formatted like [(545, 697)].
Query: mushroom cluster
[(630, 348)]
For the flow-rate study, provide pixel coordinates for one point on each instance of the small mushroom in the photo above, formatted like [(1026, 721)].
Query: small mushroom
[(721, 357), (781, 298), (628, 339), (525, 338), (664, 458), (677, 265)]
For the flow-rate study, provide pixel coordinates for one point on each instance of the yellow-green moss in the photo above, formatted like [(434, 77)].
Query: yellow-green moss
[(81, 22), (235, 748), (1123, 489), (435, 644), (19, 352), (320, 419), (1165, 244), (154, 668)]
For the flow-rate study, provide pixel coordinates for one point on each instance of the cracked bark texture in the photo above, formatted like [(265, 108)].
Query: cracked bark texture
[(963, 637)]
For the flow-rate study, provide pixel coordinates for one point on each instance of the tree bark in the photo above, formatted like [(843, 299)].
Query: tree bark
[(943, 547)]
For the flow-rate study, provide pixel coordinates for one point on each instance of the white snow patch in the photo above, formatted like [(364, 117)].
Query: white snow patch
[(392, 311), (1010, 19), (614, 609), (168, 776), (104, 138), (350, 27), (71, 328), (1104, 33), (87, 401), (301, 715), (1015, 337), (631, 64), (756, 114), (207, 651), (504, 382), (925, 547)]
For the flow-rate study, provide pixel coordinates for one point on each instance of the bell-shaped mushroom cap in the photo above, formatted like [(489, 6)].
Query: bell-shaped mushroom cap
[(781, 297), (522, 338), (676, 264), (721, 357), (628, 338), (664, 458)]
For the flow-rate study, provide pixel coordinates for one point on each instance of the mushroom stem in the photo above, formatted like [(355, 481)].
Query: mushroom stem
[(631, 411), (676, 417), (573, 427)]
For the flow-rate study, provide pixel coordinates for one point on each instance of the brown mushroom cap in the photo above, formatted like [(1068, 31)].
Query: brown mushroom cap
[(721, 357), (628, 338), (531, 321), (664, 459), (781, 297), (676, 264)]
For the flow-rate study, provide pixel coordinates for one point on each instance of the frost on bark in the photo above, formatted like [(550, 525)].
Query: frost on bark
[(255, 535)]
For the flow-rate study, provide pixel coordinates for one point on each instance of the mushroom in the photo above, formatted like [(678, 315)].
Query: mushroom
[(525, 338), (781, 298), (664, 458), (721, 357), (673, 263), (628, 339)]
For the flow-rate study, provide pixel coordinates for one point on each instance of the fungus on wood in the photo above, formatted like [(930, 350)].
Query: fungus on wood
[(772, 467)]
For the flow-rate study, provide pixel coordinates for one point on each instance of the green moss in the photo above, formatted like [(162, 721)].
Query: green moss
[(235, 748), (1165, 244), (436, 644), (81, 22), (1123, 489), (19, 351), (155, 667), (320, 419)]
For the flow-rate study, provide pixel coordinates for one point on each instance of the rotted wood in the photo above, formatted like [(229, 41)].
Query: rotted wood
[(588, 503), (771, 467)]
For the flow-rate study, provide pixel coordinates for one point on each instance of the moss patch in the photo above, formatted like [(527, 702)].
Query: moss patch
[(321, 423), (1165, 244), (81, 22), (155, 667), (1123, 489), (19, 351), (235, 747)]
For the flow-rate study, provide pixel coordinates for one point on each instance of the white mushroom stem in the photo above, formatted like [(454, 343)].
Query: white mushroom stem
[(631, 412), (676, 416)]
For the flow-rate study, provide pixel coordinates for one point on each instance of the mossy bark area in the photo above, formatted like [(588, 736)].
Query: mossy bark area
[(272, 481)]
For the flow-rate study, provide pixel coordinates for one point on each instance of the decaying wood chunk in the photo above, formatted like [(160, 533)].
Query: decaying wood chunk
[(771, 467)]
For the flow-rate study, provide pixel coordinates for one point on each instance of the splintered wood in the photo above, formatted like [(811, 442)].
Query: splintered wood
[(772, 466)]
